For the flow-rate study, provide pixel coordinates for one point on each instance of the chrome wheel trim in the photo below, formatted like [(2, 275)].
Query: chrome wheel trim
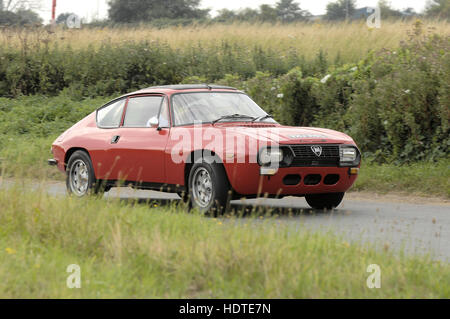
[(202, 187), (79, 178)]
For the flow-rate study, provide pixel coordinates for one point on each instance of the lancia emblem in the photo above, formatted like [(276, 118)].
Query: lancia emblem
[(317, 150)]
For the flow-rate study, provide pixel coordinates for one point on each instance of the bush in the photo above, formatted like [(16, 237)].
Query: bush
[(112, 69)]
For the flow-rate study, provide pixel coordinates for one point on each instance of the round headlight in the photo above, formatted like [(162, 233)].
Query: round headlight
[(270, 156)]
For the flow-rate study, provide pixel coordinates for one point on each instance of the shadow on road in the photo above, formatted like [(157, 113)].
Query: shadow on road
[(237, 209)]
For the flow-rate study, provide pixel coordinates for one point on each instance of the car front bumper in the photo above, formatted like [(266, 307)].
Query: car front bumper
[(247, 180)]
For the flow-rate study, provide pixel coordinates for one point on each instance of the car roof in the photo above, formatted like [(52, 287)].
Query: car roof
[(182, 87), (171, 89)]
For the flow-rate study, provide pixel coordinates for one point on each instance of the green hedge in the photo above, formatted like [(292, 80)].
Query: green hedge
[(113, 69)]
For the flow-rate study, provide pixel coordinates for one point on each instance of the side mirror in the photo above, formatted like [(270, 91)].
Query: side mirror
[(153, 122)]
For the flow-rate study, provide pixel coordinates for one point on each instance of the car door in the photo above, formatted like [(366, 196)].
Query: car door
[(108, 118), (141, 144)]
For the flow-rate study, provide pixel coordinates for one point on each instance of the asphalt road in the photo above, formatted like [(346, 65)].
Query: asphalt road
[(386, 222)]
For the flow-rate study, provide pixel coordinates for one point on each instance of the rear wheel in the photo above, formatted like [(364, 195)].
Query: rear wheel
[(324, 201), (80, 180), (209, 187)]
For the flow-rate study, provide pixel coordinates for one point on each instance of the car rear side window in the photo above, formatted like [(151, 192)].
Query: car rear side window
[(141, 109), (111, 115)]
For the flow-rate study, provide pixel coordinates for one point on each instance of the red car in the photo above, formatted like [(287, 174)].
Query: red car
[(210, 144)]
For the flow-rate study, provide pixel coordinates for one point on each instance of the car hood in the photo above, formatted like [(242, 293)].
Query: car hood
[(293, 135)]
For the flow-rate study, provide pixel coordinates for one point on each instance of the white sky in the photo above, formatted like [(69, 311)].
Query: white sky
[(90, 9)]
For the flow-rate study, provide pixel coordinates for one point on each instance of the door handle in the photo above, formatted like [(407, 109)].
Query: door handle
[(115, 139)]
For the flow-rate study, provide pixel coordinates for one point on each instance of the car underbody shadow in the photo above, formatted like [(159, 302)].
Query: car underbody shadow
[(236, 209)]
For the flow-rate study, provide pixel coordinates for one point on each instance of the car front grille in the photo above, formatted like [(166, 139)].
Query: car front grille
[(305, 157)]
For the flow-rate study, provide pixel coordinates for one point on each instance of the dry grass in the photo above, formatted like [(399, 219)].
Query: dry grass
[(350, 41)]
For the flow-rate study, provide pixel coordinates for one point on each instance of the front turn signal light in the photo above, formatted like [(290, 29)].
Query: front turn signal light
[(354, 171)]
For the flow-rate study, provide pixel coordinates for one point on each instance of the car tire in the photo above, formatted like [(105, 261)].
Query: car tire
[(209, 188), (80, 178), (324, 201)]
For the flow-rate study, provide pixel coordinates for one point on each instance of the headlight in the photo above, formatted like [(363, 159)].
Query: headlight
[(349, 156), (269, 156)]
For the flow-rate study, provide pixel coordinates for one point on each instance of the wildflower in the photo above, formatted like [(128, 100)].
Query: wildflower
[(325, 79), (10, 251), (354, 69), (280, 96), (407, 91)]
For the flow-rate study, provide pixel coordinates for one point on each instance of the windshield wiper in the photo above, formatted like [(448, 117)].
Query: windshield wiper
[(267, 116), (234, 116)]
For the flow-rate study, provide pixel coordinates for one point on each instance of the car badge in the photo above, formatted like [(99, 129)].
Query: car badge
[(317, 150)]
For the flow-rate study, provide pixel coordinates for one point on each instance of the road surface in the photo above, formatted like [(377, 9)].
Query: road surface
[(417, 226)]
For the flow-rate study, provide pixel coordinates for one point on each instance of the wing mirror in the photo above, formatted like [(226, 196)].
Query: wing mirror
[(153, 122)]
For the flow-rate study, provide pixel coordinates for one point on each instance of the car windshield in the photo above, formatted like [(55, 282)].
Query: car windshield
[(208, 107)]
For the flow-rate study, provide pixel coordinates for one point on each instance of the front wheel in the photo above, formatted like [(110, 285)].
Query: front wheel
[(324, 201), (80, 179), (209, 187)]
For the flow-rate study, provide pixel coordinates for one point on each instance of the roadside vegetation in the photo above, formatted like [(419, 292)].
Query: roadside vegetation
[(131, 250), (424, 179)]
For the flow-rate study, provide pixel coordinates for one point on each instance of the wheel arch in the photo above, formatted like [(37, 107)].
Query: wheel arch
[(70, 152), (193, 156)]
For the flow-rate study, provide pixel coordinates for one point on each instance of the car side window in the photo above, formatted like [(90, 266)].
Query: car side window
[(110, 116), (141, 109), (164, 117)]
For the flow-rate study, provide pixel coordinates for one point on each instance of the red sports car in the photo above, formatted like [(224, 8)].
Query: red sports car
[(209, 144)]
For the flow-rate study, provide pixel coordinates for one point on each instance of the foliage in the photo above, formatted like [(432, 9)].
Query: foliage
[(290, 11), (340, 10), (389, 178), (117, 69), (438, 9), (21, 17), (284, 11), (387, 11), (124, 11)]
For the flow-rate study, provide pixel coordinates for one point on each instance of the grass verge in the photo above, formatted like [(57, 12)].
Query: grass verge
[(130, 250), (427, 179)]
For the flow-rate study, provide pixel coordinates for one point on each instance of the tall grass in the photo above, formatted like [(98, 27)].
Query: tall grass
[(131, 250), (347, 42)]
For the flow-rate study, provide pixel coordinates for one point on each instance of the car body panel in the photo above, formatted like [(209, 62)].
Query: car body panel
[(146, 155)]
